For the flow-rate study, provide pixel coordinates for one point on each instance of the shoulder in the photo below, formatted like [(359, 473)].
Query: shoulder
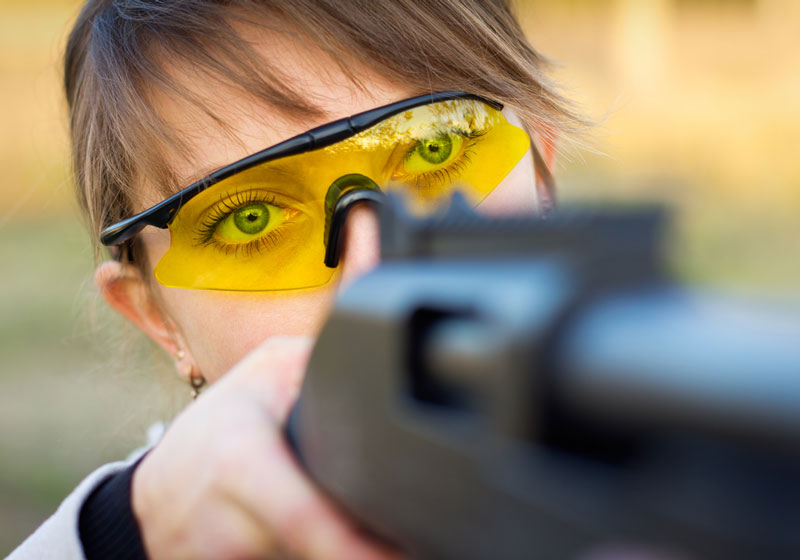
[(58, 536)]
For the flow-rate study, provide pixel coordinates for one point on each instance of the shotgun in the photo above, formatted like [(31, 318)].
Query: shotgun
[(539, 388)]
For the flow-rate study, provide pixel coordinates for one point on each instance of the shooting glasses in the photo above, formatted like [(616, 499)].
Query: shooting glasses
[(273, 220)]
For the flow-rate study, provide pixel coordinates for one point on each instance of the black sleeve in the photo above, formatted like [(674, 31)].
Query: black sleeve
[(106, 524)]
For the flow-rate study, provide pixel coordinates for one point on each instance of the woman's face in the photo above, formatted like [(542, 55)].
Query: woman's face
[(216, 328)]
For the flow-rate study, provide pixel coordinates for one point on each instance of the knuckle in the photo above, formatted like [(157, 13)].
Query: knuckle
[(305, 531), (227, 458)]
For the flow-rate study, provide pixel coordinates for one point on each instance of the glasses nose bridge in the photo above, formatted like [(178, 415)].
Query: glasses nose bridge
[(344, 194)]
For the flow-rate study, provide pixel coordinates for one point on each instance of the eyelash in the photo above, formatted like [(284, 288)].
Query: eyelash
[(227, 205)]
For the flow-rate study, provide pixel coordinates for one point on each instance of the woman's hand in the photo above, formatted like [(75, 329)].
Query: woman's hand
[(222, 483)]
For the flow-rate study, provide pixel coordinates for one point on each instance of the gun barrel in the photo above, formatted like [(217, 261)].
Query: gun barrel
[(673, 359)]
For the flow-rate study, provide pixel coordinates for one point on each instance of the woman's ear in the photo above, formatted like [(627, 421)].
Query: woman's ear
[(124, 289)]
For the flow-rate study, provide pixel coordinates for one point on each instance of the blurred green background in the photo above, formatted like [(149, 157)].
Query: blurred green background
[(699, 107)]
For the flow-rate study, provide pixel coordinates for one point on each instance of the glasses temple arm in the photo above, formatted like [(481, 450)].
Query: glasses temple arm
[(546, 184)]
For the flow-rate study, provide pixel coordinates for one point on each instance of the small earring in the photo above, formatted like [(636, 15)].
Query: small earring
[(197, 382)]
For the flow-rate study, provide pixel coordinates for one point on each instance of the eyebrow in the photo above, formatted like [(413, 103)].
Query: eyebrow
[(190, 179), (185, 180), (276, 166)]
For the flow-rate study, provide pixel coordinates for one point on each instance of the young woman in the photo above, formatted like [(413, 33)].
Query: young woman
[(194, 163)]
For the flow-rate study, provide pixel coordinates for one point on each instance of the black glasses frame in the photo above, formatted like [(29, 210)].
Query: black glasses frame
[(322, 136)]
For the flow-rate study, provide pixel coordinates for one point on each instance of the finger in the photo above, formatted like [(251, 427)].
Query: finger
[(274, 372), (309, 526)]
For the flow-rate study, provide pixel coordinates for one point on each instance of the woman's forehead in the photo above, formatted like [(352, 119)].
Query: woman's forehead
[(228, 123)]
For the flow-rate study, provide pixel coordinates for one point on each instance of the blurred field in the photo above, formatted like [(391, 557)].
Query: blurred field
[(77, 388), (700, 109), (699, 103)]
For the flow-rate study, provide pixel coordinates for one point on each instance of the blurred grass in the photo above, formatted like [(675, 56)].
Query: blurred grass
[(700, 109), (78, 387)]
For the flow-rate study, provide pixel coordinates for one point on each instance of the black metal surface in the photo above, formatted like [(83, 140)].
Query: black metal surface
[(525, 389)]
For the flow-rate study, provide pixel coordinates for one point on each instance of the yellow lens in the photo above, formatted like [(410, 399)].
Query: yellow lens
[(464, 144), (263, 229)]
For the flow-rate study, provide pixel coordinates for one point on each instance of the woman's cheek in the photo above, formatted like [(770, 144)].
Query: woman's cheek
[(516, 194), (221, 328)]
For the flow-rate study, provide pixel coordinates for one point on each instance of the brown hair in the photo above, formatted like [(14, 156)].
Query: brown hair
[(116, 53)]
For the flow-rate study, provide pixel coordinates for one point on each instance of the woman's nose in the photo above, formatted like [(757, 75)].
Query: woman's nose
[(361, 244)]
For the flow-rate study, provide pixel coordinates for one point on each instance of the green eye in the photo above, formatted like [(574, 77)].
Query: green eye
[(251, 219), (430, 154), (435, 150)]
